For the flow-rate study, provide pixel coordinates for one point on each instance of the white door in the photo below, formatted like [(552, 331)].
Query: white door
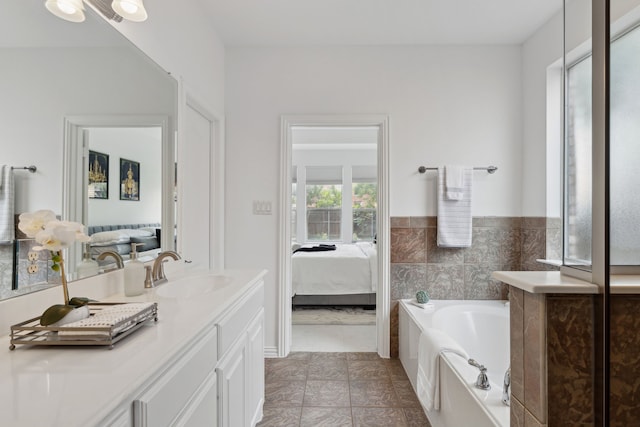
[(195, 161)]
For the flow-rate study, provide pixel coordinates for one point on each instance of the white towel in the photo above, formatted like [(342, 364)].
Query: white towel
[(454, 182), (7, 226), (454, 216), (125, 316), (433, 343)]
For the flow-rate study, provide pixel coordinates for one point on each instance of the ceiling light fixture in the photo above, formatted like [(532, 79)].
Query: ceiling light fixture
[(69, 10), (73, 10), (133, 10)]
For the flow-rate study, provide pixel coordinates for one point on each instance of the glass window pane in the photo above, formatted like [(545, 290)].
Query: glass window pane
[(625, 149), (364, 203), (578, 165), (324, 211), (294, 217)]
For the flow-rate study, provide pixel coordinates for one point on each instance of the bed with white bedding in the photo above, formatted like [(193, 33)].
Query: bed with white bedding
[(346, 276)]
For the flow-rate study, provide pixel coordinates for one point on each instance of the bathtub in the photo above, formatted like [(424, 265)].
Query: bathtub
[(482, 329)]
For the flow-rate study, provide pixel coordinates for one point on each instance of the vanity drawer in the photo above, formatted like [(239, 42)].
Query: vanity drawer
[(232, 324), (165, 398)]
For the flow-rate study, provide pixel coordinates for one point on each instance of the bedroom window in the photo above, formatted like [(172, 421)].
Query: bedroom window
[(324, 203), (365, 206), (324, 212), (294, 217)]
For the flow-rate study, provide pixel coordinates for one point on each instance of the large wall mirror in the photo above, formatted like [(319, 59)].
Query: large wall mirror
[(96, 117)]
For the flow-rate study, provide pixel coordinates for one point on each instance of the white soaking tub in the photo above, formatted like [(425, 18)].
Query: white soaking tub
[(482, 329)]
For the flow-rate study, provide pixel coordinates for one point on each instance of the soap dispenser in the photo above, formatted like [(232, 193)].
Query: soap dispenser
[(87, 267), (134, 274)]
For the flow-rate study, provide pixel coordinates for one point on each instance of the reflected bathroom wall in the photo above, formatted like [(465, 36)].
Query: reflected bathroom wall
[(53, 70)]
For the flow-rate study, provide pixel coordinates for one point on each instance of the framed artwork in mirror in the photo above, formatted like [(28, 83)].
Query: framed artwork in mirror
[(129, 180), (98, 175)]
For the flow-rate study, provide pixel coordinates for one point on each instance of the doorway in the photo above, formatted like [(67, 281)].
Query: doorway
[(104, 145), (334, 234)]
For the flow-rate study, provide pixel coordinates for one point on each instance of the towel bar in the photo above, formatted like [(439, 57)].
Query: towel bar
[(31, 168), (490, 169)]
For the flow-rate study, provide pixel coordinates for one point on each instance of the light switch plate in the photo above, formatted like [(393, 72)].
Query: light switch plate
[(261, 207)]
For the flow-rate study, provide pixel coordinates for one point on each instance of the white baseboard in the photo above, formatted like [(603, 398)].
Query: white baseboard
[(270, 352)]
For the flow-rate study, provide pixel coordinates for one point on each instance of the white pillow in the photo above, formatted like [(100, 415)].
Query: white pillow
[(138, 232), (113, 237), (151, 230)]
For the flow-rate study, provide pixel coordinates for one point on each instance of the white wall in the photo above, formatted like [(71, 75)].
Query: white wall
[(44, 86), (143, 145), (457, 104), (181, 39), (538, 53), (344, 158)]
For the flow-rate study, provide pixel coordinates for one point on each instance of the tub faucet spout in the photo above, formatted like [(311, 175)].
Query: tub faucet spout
[(483, 381), (506, 388)]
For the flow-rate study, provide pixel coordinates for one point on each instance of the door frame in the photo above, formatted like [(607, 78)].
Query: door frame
[(75, 202), (383, 300)]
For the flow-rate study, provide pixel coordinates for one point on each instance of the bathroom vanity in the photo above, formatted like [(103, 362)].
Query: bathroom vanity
[(201, 363), (553, 352)]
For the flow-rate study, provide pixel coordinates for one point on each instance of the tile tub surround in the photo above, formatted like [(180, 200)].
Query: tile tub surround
[(555, 334), (499, 243), (339, 389)]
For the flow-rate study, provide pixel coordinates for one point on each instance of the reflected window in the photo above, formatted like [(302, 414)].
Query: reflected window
[(625, 154)]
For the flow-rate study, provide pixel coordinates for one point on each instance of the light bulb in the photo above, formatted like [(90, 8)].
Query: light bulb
[(65, 7), (69, 10), (131, 10), (128, 7)]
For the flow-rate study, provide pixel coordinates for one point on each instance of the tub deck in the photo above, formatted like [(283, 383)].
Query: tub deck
[(461, 402)]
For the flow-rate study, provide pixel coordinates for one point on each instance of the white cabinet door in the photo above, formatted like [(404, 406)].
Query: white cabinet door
[(255, 369), (165, 399), (203, 409), (232, 376)]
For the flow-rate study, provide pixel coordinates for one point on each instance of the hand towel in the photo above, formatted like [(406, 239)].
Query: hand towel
[(433, 343), (454, 182), (7, 226), (454, 216)]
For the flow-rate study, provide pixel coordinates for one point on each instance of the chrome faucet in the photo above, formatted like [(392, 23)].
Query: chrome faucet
[(506, 388), (157, 275), (483, 381), (114, 255)]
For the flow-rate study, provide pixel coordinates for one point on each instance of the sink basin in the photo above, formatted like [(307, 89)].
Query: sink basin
[(193, 286)]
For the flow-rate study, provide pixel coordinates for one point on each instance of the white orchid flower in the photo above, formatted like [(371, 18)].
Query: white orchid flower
[(31, 223), (53, 235), (58, 235)]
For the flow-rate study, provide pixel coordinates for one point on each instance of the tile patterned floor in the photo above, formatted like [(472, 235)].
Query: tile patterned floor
[(339, 389)]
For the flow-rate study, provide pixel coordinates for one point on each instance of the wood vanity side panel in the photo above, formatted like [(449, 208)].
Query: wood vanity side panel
[(516, 314), (570, 338), (625, 360), (535, 363)]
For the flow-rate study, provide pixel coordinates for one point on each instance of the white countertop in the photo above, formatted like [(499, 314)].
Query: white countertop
[(79, 386), (553, 282)]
